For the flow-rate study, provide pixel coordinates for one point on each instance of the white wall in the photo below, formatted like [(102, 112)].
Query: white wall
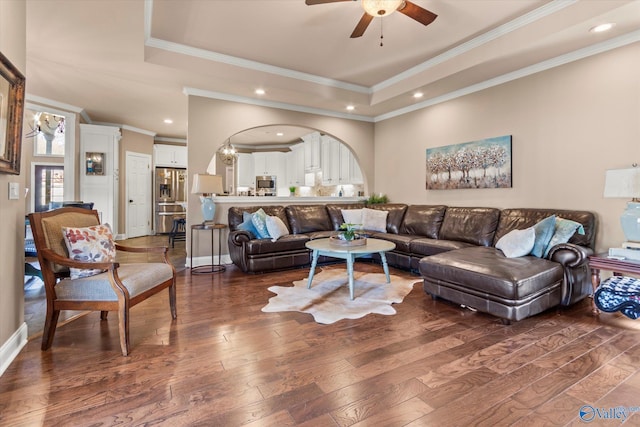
[(569, 125)]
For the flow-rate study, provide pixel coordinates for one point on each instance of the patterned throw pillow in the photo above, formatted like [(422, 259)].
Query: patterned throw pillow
[(544, 232), (89, 244), (259, 220), (565, 228), (276, 228)]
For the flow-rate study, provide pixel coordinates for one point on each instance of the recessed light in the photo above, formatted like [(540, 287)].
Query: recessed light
[(602, 27), (260, 92), (168, 121), (418, 95), (350, 108), (279, 134)]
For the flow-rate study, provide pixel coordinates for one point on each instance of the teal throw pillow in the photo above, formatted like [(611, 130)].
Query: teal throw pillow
[(544, 232), (565, 228), (259, 219), (247, 224), (517, 243)]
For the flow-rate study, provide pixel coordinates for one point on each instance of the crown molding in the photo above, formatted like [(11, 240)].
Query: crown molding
[(56, 104), (586, 52), (502, 30), (172, 140), (273, 104), (138, 130)]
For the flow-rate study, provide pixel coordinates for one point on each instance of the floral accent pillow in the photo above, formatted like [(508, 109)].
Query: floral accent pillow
[(89, 244)]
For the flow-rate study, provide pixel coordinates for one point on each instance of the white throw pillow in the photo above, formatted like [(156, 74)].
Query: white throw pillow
[(517, 243), (352, 216), (374, 220), (276, 227)]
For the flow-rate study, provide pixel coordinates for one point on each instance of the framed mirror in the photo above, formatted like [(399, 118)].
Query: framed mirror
[(12, 85)]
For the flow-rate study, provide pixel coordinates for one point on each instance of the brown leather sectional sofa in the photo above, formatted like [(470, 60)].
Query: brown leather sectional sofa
[(451, 247)]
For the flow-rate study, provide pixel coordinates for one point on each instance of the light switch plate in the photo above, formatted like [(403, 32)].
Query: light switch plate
[(14, 190)]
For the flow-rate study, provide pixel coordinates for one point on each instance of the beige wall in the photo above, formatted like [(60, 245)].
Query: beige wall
[(212, 121), (569, 125), (137, 143), (13, 46)]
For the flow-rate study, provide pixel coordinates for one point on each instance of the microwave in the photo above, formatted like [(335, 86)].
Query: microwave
[(266, 184)]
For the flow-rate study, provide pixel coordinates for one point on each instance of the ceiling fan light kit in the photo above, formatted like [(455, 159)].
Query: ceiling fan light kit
[(381, 8)]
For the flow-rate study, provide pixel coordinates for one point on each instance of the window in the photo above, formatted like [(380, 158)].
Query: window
[(48, 187), (49, 139)]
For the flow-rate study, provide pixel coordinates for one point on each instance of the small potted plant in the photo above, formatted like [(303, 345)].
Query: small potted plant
[(292, 190), (348, 236)]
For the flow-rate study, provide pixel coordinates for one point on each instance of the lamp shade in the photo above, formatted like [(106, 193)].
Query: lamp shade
[(622, 183), (206, 184)]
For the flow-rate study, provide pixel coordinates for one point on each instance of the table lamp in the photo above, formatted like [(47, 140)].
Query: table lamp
[(625, 183), (207, 185)]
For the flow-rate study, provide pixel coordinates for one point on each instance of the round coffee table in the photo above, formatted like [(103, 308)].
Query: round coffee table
[(348, 253)]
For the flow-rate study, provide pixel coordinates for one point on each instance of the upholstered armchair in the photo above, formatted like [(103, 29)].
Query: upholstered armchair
[(77, 259)]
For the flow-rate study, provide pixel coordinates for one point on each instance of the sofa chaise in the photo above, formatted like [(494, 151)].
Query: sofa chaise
[(453, 248)]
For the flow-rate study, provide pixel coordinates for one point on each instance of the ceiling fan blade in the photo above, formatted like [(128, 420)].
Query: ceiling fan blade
[(362, 26), (418, 13), (312, 2)]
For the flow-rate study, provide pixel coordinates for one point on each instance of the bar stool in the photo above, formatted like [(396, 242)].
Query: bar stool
[(178, 231)]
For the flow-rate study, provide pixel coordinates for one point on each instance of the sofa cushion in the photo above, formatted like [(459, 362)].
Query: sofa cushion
[(470, 225), (307, 218), (282, 245), (485, 270), (422, 220), (517, 243), (426, 247), (402, 241)]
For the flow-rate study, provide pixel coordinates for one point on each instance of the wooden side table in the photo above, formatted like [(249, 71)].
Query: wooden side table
[(213, 267), (618, 267)]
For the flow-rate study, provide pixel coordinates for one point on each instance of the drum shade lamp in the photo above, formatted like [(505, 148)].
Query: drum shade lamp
[(206, 186), (625, 183)]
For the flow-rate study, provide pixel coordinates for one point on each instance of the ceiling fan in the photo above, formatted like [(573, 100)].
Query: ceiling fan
[(380, 8)]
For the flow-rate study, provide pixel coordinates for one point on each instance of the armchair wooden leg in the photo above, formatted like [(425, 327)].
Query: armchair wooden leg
[(172, 300), (103, 315), (123, 326), (49, 328)]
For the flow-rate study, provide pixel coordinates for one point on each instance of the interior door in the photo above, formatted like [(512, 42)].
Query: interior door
[(138, 191)]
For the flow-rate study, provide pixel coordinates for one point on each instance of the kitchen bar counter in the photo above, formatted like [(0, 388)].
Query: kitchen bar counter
[(287, 200)]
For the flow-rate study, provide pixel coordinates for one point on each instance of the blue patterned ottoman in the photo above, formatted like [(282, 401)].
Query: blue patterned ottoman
[(619, 293)]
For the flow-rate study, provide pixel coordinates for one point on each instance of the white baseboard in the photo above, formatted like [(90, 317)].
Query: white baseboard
[(206, 260), (12, 347)]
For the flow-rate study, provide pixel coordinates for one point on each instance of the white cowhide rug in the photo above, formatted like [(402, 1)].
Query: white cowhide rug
[(328, 299)]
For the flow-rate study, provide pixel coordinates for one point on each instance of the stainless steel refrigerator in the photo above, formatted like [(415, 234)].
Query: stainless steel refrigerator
[(170, 193)]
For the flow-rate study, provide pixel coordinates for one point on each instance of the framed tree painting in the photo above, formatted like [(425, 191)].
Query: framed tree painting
[(485, 163), (11, 111)]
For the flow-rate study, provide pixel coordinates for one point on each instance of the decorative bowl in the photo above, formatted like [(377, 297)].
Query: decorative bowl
[(339, 240)]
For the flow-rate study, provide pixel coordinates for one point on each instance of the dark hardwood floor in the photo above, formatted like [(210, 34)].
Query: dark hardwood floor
[(223, 362)]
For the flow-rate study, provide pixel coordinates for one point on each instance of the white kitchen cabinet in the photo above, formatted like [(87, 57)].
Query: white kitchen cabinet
[(312, 152), (339, 166), (246, 172), (268, 163), (295, 165), (173, 156), (99, 172)]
